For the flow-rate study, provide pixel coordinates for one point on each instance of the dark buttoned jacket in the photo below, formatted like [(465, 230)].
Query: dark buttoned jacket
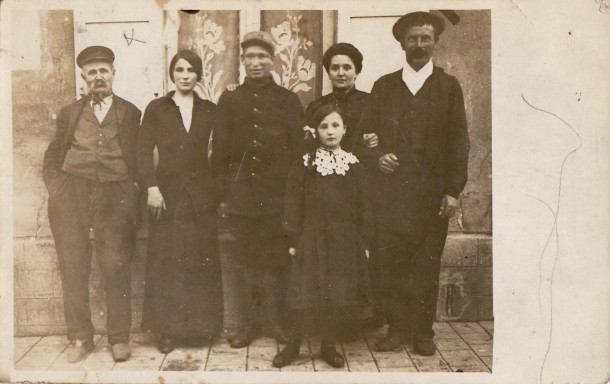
[(432, 149), (183, 156), (128, 116), (258, 134)]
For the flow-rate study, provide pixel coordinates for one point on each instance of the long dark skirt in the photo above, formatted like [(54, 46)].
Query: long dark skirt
[(183, 291), (329, 288)]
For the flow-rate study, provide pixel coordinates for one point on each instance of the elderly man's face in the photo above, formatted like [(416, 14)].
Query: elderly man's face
[(257, 62), (418, 44), (99, 76)]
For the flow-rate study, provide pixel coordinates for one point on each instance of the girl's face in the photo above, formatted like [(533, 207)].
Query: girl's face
[(331, 130), (185, 76)]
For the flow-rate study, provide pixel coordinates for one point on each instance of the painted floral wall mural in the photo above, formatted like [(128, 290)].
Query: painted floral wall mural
[(296, 70), (208, 43), (298, 35), (213, 35)]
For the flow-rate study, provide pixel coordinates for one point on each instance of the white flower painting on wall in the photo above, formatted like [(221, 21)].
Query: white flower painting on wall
[(208, 44), (297, 71)]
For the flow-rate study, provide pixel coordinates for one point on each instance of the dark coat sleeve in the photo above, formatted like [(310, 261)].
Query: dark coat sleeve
[(294, 201), (51, 164), (364, 209), (147, 139), (221, 144), (134, 115), (296, 134), (370, 124), (457, 144)]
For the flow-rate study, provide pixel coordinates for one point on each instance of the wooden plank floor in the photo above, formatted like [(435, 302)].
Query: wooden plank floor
[(464, 347)]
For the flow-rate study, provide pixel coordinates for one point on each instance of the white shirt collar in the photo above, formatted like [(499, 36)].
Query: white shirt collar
[(107, 101), (413, 79)]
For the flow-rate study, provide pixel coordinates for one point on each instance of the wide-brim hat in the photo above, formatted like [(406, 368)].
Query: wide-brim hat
[(94, 53), (414, 19), (260, 38)]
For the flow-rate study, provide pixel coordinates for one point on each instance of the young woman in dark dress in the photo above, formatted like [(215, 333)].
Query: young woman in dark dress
[(183, 292), (328, 215)]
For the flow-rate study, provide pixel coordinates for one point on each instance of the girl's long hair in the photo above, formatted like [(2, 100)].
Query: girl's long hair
[(314, 121)]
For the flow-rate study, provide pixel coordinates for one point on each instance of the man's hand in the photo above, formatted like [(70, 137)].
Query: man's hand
[(448, 206), (232, 87), (388, 163), (370, 140), (156, 204), (292, 251), (222, 210), (368, 254)]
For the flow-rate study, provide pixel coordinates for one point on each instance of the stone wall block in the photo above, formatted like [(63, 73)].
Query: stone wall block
[(460, 251)]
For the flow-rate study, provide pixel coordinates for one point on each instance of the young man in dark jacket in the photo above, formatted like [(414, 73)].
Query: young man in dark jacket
[(258, 135)]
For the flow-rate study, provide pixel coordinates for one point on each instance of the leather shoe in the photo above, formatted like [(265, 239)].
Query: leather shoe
[(278, 334), (120, 351), (287, 355), (425, 347), (78, 349), (166, 344), (331, 356), (242, 339), (391, 342)]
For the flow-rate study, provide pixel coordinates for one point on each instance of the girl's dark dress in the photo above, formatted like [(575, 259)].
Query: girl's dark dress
[(183, 291), (332, 223)]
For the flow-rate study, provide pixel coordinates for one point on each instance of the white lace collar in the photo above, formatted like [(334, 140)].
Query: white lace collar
[(328, 162)]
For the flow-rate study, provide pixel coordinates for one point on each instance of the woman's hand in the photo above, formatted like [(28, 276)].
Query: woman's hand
[(156, 204), (292, 252), (368, 254)]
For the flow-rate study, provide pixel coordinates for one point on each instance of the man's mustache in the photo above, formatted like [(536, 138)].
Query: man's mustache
[(99, 83), (418, 52)]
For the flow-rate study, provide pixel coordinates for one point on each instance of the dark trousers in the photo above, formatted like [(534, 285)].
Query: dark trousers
[(77, 206), (262, 249), (409, 267)]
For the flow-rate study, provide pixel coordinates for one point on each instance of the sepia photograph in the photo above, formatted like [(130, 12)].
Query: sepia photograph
[(270, 192)]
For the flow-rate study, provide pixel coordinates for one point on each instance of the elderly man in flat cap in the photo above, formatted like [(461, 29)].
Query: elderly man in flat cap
[(258, 135), (422, 161), (89, 170)]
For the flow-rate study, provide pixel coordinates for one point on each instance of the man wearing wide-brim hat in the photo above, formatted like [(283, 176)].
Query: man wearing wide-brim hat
[(422, 166), (258, 135), (90, 173)]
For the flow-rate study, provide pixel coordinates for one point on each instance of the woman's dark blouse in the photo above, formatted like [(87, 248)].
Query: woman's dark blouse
[(183, 161)]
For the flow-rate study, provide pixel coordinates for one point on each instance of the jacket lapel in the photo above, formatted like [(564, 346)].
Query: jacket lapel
[(75, 113), (119, 104), (397, 100)]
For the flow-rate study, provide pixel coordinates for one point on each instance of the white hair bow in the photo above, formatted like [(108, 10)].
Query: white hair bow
[(312, 131)]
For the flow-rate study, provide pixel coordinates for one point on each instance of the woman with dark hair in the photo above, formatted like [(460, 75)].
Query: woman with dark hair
[(343, 63), (183, 292)]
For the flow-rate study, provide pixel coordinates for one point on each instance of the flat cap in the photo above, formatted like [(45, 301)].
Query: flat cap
[(417, 19), (94, 53), (260, 38)]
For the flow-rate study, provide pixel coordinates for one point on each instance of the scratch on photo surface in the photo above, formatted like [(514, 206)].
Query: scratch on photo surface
[(521, 10), (554, 229)]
